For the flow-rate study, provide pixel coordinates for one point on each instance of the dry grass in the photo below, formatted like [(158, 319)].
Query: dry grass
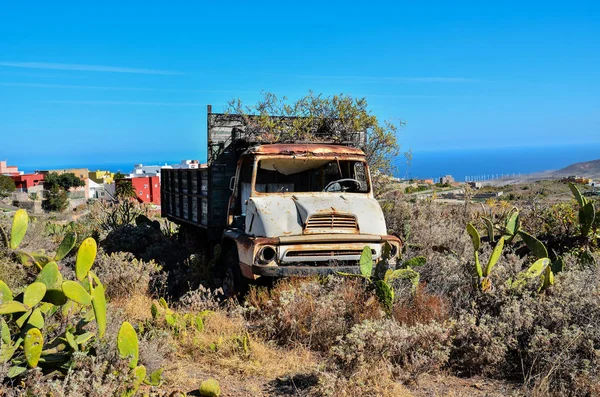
[(420, 308), (241, 362), (226, 343), (373, 381), (311, 312), (135, 308)]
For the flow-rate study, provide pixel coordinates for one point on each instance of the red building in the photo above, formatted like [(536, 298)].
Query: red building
[(147, 188), (27, 181)]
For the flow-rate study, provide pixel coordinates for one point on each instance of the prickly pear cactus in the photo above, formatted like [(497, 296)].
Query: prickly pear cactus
[(34, 341), (127, 343), (210, 388), (85, 258), (24, 316), (19, 228)]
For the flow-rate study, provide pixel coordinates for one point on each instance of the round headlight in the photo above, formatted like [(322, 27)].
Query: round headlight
[(266, 254)]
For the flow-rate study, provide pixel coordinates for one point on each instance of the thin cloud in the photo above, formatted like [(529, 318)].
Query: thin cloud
[(83, 87), (173, 104), (115, 88), (396, 79), (86, 68)]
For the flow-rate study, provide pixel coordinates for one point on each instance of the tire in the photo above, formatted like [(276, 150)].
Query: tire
[(235, 285)]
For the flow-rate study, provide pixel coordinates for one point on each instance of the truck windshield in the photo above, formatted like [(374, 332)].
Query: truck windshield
[(280, 175)]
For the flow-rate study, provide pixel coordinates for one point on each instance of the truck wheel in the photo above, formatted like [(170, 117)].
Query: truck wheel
[(235, 285)]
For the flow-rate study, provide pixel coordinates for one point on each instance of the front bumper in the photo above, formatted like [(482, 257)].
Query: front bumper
[(302, 271), (309, 255)]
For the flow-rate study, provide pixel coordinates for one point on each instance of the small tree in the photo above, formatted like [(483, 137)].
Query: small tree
[(124, 189), (58, 185), (7, 185), (339, 116), (57, 199), (64, 181)]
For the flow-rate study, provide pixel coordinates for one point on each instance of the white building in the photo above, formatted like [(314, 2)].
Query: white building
[(147, 170), (101, 191), (187, 164)]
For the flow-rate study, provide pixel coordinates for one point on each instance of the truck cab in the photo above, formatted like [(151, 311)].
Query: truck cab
[(300, 210)]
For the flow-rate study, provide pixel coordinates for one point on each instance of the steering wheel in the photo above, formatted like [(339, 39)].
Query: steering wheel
[(342, 185)]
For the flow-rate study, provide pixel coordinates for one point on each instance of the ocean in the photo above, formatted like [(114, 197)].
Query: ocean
[(496, 162), (431, 164)]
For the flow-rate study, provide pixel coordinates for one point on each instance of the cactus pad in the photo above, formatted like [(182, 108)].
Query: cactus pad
[(366, 262), (50, 276), (19, 228), (99, 305), (34, 342), (210, 388), (127, 343), (6, 292), (74, 291), (34, 293), (85, 258), (66, 246)]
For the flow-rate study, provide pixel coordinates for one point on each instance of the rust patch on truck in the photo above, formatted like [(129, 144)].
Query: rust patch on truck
[(312, 149)]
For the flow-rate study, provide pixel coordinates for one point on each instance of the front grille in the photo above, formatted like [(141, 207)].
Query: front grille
[(332, 222), (329, 253)]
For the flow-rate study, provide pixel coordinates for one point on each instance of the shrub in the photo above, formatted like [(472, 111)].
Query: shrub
[(145, 242), (124, 275), (201, 299), (88, 376), (7, 185), (411, 350), (420, 308), (311, 312), (551, 342)]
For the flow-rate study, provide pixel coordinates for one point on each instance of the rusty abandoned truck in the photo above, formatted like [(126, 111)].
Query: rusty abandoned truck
[(277, 209)]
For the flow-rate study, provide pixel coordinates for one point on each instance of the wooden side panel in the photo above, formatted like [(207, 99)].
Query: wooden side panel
[(182, 199)]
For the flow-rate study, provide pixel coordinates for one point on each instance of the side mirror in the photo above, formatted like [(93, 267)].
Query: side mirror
[(232, 183)]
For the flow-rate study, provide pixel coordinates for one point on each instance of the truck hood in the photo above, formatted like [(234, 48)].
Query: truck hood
[(276, 216)]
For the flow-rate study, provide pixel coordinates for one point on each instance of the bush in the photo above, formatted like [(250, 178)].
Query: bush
[(145, 242), (409, 350), (312, 313), (201, 299), (89, 376), (7, 185), (551, 342), (124, 276), (420, 308)]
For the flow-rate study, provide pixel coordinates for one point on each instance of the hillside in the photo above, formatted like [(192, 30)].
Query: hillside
[(589, 169)]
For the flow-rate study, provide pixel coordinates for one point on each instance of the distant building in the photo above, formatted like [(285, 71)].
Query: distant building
[(102, 191), (9, 170), (186, 164), (447, 179), (576, 179), (26, 182), (475, 185), (147, 170), (102, 177), (81, 173)]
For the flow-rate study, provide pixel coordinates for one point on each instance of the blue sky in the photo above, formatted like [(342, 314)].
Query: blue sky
[(129, 81)]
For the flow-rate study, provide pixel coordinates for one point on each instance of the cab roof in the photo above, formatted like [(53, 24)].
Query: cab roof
[(316, 149)]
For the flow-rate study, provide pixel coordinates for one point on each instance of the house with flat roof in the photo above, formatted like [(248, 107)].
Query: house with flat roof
[(9, 170)]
